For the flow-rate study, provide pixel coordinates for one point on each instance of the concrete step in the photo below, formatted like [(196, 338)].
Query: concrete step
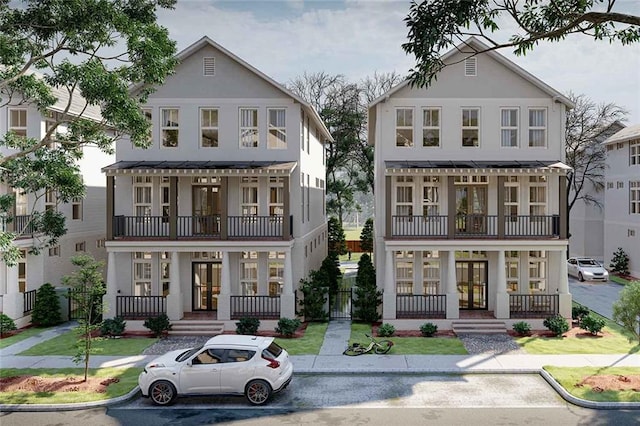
[(478, 326), (196, 328)]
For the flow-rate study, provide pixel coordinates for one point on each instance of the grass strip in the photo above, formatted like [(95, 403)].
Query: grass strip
[(570, 377), (309, 344), (23, 335), (65, 344)]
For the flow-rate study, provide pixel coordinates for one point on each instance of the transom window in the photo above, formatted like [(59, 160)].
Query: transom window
[(209, 127), (471, 127), (634, 197), (431, 127), (404, 127), (248, 128), (509, 127), (634, 153), (18, 121), (170, 127), (277, 137), (537, 127)]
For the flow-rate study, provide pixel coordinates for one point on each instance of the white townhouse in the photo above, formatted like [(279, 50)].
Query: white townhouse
[(622, 197), (224, 213), (471, 213), (84, 218)]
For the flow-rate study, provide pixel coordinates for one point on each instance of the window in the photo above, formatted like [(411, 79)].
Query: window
[(430, 272), (76, 209), (512, 266), (308, 198), (209, 128), (249, 188), (249, 273), (631, 232), (471, 67), (276, 200), (142, 186), (404, 196), (619, 184), (148, 114), (634, 197), (634, 153), (22, 271), (18, 121), (208, 66), (302, 130), (620, 145), (431, 127), (248, 128), (165, 272), (404, 272), (470, 127), (21, 203), (430, 199), (277, 137), (537, 272), (537, 127), (141, 273), (537, 196), (170, 125), (51, 200), (276, 272), (81, 246), (509, 127), (54, 251), (511, 188), (100, 242), (404, 127), (609, 185), (302, 193)]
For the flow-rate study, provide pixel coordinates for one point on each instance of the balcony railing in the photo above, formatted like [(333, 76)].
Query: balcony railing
[(412, 306), (141, 226), (255, 226), (476, 225), (262, 307), (199, 226), (29, 301), (533, 305), (140, 307), (20, 224)]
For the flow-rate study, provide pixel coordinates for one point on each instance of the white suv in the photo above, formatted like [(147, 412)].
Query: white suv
[(226, 365)]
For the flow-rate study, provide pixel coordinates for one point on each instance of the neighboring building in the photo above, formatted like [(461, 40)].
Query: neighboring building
[(622, 197), (586, 219), (471, 213), (86, 231), (224, 213)]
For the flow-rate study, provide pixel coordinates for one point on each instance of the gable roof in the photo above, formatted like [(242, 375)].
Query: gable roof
[(624, 135), (204, 41), (477, 45)]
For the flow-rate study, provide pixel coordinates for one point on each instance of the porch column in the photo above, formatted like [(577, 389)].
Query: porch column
[(110, 206), (175, 311), (563, 284), (453, 310), (287, 298), (13, 300), (389, 295), (224, 298), (502, 297), (112, 286)]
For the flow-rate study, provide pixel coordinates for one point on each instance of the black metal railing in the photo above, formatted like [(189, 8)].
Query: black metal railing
[(532, 226), (417, 306), (419, 226), (533, 305), (29, 301), (476, 225), (141, 226), (199, 226), (254, 226), (140, 307), (262, 307)]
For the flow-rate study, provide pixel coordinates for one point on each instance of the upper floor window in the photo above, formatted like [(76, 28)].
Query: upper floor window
[(634, 197), (51, 200), (471, 67), (170, 125), (142, 186), (404, 127), (537, 196), (634, 153), (431, 127), (277, 137), (302, 130), (249, 206), (509, 127), (209, 66), (248, 128), (430, 199), (21, 203), (208, 127), (18, 121), (471, 127), (404, 198), (511, 189), (538, 127), (76, 209)]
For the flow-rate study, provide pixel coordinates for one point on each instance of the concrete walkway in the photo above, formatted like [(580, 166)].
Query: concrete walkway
[(336, 338)]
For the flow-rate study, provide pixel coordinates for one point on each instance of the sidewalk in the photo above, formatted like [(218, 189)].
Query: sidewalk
[(331, 361)]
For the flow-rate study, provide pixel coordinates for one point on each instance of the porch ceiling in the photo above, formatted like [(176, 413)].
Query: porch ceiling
[(451, 167), (200, 168)]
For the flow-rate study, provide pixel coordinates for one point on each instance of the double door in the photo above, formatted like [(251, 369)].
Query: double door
[(471, 279)]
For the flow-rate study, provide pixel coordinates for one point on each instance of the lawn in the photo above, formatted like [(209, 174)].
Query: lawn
[(127, 380), (619, 280), (411, 345), (23, 335), (352, 233), (65, 345), (309, 344), (569, 378)]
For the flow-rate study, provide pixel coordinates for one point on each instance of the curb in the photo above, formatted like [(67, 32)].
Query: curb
[(69, 406)]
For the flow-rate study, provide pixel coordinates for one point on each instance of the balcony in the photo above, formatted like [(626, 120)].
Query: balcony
[(20, 224), (475, 226), (201, 227)]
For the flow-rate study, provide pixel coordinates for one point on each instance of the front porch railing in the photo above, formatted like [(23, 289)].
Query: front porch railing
[(140, 307), (418, 306), (29, 301), (263, 307), (533, 305)]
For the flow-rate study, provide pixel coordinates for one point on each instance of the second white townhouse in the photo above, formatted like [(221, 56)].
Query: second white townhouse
[(471, 212), (224, 213)]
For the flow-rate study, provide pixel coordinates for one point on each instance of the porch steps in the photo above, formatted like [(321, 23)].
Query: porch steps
[(478, 326), (196, 328)]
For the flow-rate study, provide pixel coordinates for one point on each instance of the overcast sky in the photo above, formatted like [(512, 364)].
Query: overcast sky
[(285, 38)]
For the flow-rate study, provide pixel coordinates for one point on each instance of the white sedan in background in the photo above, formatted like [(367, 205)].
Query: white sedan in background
[(585, 268)]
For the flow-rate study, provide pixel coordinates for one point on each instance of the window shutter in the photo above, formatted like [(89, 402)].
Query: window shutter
[(209, 65), (470, 67)]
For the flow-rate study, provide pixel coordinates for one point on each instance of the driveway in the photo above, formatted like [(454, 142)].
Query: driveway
[(597, 296)]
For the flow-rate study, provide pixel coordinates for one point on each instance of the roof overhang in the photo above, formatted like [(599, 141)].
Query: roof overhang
[(457, 168), (201, 168)]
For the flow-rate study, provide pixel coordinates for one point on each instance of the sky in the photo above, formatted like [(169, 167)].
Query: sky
[(285, 38)]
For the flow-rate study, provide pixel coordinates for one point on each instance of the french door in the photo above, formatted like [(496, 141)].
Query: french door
[(471, 278), (206, 285)]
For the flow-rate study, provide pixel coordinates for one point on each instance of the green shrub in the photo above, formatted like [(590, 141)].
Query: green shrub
[(557, 324), (522, 328), (6, 324), (315, 290), (367, 296), (386, 330), (578, 312), (248, 325), (428, 329), (287, 326), (46, 311), (158, 325), (620, 262), (113, 327), (592, 324)]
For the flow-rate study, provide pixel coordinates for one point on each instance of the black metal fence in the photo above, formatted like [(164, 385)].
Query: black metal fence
[(418, 306), (341, 304), (29, 301), (262, 307)]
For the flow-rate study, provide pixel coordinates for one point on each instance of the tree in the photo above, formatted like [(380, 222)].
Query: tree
[(46, 311), (626, 310), (620, 262), (86, 292), (74, 62), (314, 291), (437, 25), (366, 236), (367, 296), (336, 238)]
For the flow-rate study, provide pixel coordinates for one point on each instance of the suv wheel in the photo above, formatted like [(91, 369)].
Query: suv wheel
[(162, 392), (257, 392)]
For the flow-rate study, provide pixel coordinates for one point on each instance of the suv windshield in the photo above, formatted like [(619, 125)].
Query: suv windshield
[(186, 354)]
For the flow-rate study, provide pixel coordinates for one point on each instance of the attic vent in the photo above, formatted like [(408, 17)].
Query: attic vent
[(209, 66), (470, 67)]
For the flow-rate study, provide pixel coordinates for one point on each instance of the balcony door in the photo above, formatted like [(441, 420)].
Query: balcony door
[(471, 277), (206, 285), (206, 209), (471, 209)]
